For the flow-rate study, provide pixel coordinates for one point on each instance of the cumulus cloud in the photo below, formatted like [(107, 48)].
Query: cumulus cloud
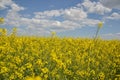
[(111, 36), (46, 21), (114, 16), (48, 14), (75, 14), (5, 3), (90, 22), (111, 3), (13, 17), (94, 7), (15, 7), (9, 3)]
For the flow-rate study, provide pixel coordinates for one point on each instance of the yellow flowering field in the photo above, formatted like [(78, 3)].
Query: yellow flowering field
[(54, 58)]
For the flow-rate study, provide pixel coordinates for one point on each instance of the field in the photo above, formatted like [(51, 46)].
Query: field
[(54, 58)]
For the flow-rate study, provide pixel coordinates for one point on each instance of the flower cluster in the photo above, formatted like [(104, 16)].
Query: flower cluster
[(41, 58)]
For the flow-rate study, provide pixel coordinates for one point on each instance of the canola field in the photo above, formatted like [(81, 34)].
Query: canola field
[(54, 58)]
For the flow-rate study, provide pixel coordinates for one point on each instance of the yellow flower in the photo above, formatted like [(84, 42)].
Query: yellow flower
[(39, 62), (3, 70), (93, 72), (14, 29), (1, 29), (1, 20), (37, 78), (12, 77), (41, 58), (29, 78), (29, 65), (100, 24), (45, 70), (45, 76), (101, 76), (53, 33), (14, 32)]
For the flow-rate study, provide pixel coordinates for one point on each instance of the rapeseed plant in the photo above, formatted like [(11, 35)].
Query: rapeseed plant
[(66, 61), (2, 20), (40, 58), (100, 25)]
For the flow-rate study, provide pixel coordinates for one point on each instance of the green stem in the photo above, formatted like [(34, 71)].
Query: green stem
[(96, 34)]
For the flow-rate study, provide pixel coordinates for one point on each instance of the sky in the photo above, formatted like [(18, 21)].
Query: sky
[(68, 18)]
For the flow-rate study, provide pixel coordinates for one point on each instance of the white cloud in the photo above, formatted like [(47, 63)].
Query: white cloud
[(15, 7), (9, 3), (13, 17), (114, 16), (69, 14), (90, 22), (95, 7), (75, 14), (44, 22), (111, 36), (48, 14), (33, 31), (5, 3), (111, 3), (69, 24)]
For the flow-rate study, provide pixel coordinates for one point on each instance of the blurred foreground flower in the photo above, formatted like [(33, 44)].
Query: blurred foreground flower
[(3, 31), (53, 34), (34, 78), (2, 20), (37, 78), (29, 78), (100, 24)]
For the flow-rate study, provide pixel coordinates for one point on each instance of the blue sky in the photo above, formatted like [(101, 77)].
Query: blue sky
[(71, 18)]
